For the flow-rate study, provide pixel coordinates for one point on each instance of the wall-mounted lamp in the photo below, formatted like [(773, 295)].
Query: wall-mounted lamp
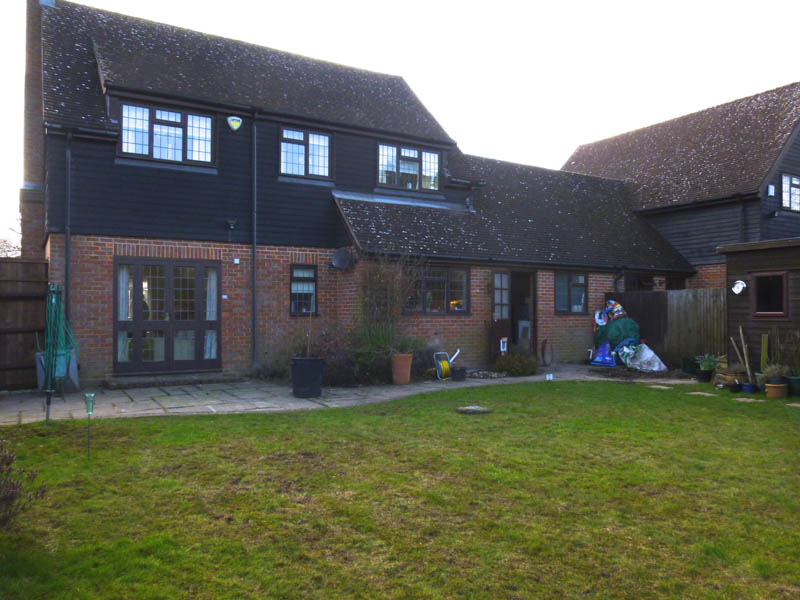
[(738, 287)]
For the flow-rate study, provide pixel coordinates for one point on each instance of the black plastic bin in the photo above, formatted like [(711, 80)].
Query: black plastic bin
[(459, 373)]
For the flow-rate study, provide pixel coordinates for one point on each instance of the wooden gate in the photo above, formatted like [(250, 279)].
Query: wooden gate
[(23, 293), (679, 323)]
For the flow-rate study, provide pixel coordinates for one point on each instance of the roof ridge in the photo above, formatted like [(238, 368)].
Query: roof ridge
[(685, 116), (538, 168), (104, 11)]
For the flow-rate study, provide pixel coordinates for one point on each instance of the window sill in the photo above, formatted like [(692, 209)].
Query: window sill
[(154, 164), (305, 181), (389, 190), (420, 313), (564, 313)]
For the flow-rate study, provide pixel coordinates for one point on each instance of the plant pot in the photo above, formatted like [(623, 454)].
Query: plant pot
[(735, 388), (307, 377), (689, 365), (780, 380), (401, 368), (704, 376), (777, 390), (459, 373), (749, 388), (794, 385)]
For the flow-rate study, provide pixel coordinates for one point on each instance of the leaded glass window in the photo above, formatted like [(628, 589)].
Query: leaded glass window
[(402, 167), (791, 192), (305, 153), (135, 129), (162, 136)]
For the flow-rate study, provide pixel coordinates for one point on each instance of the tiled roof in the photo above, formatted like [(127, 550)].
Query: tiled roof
[(524, 214), (82, 44), (714, 153)]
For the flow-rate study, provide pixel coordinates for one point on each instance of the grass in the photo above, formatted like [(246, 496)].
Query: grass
[(567, 490)]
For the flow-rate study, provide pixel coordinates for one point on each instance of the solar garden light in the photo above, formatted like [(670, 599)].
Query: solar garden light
[(89, 410)]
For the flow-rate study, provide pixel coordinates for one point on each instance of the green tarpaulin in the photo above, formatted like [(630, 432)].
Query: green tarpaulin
[(617, 331)]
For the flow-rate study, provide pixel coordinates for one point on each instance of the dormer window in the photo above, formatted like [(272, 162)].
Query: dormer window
[(408, 168), (166, 135), (305, 153), (791, 192)]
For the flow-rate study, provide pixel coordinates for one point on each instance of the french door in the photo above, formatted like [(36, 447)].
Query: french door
[(501, 309), (166, 315)]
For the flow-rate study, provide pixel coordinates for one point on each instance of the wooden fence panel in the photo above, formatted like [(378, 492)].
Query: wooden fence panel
[(23, 292), (679, 323)]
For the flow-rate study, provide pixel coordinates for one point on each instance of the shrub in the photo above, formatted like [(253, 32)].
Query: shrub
[(773, 371), (707, 362), (15, 493), (373, 352), (517, 364)]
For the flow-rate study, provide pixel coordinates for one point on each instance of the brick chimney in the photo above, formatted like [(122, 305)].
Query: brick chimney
[(31, 197)]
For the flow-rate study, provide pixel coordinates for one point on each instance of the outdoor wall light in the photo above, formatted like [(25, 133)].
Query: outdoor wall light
[(738, 287)]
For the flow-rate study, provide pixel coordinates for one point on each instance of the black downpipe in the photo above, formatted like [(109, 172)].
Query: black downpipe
[(67, 223), (254, 322)]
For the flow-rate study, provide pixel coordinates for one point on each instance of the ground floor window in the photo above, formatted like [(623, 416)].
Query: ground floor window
[(770, 297), (303, 290), (166, 315), (440, 290), (570, 292)]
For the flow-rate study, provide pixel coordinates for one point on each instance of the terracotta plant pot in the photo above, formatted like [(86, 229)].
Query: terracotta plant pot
[(401, 368), (777, 390)]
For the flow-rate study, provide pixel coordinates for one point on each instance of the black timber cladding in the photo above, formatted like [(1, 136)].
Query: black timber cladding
[(113, 195), (696, 231), (786, 223)]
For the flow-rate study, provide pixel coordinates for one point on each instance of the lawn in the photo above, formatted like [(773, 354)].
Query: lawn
[(566, 490)]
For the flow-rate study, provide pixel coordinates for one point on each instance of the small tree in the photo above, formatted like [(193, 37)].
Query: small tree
[(387, 283), (15, 495)]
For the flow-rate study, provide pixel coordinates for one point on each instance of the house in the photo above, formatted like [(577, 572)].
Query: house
[(200, 198), (726, 175)]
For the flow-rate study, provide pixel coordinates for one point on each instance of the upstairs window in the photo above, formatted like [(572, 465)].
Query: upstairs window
[(305, 153), (166, 134), (791, 192), (408, 168), (570, 293)]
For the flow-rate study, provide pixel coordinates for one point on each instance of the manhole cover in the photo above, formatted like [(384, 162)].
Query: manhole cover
[(473, 410)]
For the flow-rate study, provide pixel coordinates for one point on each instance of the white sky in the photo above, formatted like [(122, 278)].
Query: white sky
[(520, 81)]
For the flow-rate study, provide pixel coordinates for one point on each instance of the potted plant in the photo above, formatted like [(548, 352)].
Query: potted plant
[(774, 380), (706, 364), (402, 356), (307, 369)]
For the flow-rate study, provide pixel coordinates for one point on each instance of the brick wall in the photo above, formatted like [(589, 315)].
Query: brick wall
[(91, 294), (708, 276), (569, 335), (468, 332)]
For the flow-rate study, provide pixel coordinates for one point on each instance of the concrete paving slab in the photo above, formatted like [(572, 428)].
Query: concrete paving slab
[(794, 404), (749, 399), (659, 387), (699, 394), (177, 401)]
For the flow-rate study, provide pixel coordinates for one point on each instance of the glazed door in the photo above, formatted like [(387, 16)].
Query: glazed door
[(166, 316), (501, 309)]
